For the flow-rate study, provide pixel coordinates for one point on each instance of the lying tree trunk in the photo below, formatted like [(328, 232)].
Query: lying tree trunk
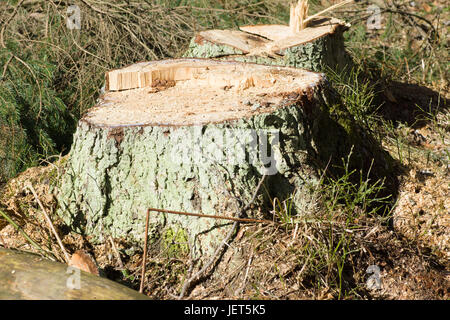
[(27, 276), (315, 47), (196, 136)]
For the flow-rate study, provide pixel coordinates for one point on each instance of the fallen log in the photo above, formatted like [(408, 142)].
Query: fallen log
[(25, 276)]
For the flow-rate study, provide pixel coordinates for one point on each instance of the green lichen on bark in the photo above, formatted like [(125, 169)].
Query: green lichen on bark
[(175, 242), (209, 50)]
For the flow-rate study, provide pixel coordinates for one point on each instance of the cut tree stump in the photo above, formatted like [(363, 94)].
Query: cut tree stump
[(315, 47), (25, 276), (197, 135)]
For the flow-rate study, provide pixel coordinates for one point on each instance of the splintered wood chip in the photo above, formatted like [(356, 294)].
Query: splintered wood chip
[(195, 91), (283, 37)]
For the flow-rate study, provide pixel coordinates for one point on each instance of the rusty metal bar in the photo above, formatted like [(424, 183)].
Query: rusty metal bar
[(211, 216)]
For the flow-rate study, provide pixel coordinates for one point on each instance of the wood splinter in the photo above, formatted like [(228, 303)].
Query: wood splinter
[(299, 14)]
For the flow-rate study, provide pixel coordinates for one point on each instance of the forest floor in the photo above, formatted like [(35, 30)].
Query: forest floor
[(407, 247)]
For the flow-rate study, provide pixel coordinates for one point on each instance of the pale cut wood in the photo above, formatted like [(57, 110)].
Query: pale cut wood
[(25, 276), (144, 75), (151, 74), (298, 15), (299, 18), (283, 38), (314, 43), (335, 6), (189, 91), (260, 39), (319, 27), (234, 38)]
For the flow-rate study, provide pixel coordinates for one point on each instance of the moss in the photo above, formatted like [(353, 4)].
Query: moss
[(175, 242)]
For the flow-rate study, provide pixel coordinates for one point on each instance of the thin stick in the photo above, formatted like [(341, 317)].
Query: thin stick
[(337, 5), (52, 228), (144, 259), (241, 289), (2, 31), (5, 67), (210, 216), (3, 243), (224, 243), (197, 275), (19, 229), (116, 252)]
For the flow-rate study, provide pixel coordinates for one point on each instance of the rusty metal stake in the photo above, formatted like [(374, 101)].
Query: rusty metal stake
[(144, 260), (210, 216)]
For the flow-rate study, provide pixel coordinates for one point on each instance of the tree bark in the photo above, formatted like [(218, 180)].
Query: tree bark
[(25, 276), (315, 48)]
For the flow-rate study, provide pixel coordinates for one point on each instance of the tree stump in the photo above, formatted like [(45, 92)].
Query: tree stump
[(316, 47), (197, 136), (25, 276)]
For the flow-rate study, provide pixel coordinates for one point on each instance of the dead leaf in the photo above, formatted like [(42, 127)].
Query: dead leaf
[(83, 261)]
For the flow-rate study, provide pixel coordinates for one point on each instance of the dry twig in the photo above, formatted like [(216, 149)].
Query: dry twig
[(116, 252), (220, 249), (27, 237), (47, 218)]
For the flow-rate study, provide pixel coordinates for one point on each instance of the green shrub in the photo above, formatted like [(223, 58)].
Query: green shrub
[(35, 123)]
